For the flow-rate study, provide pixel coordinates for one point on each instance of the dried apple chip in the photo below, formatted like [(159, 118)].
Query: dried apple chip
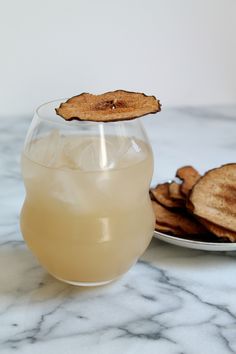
[(108, 107), (177, 220), (189, 175), (213, 197), (161, 194)]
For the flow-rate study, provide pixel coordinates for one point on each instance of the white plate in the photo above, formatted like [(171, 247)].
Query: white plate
[(197, 245)]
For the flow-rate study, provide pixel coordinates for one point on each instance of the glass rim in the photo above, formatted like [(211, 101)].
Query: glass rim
[(75, 122)]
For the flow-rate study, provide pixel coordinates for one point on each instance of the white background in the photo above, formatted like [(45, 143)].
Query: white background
[(183, 51)]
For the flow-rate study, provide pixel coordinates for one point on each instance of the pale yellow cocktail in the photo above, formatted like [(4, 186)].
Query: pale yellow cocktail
[(87, 218)]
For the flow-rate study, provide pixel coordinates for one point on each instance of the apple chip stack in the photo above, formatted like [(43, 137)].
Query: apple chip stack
[(199, 205)]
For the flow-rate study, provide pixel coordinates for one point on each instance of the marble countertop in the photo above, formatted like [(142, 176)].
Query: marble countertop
[(174, 300)]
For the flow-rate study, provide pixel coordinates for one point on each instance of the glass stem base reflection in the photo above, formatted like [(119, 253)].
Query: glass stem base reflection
[(86, 284)]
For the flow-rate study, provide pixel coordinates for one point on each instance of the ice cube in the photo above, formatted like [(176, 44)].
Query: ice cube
[(52, 149), (98, 154), (46, 149), (135, 153), (94, 153)]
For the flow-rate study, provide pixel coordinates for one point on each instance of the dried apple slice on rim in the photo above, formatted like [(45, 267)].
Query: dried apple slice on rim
[(108, 107)]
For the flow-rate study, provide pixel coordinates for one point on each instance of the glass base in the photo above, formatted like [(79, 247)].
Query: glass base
[(79, 283)]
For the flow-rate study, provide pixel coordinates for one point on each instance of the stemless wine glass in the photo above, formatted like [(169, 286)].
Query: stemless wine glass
[(87, 214)]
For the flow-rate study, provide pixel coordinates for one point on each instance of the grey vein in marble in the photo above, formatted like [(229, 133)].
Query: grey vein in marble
[(174, 301)]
